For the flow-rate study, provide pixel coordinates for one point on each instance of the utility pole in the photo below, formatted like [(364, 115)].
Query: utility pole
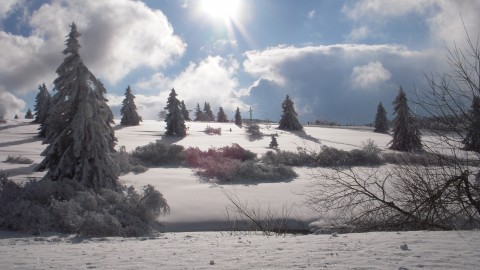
[(251, 120)]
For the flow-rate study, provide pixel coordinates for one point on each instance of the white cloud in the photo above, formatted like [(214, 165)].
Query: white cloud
[(359, 33), (6, 6), (311, 14), (369, 76), (10, 105), (270, 64), (213, 80), (322, 79), (444, 17), (381, 9), (117, 37)]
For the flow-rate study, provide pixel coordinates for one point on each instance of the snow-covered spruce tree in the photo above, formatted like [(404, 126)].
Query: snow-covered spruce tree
[(406, 136), (289, 119), (381, 121), (16, 116), (42, 104), (128, 111), (472, 139), (79, 132), (174, 119), (185, 113), (198, 113), (29, 114), (221, 116), (238, 118), (207, 110)]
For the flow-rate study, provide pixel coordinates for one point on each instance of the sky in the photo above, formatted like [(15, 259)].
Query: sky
[(336, 59)]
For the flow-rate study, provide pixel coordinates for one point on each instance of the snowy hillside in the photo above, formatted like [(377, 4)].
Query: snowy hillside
[(197, 207)]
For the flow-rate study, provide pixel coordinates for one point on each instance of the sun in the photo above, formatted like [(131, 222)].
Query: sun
[(221, 9)]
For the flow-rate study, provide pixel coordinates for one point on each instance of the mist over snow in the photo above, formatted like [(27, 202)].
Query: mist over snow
[(336, 59)]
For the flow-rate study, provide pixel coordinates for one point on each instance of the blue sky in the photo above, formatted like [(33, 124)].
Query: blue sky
[(336, 59)]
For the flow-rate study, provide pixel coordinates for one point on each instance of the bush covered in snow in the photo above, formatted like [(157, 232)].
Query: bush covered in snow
[(259, 172), (326, 157), (332, 157), (289, 158), (69, 207), (158, 154), (212, 131), (18, 160)]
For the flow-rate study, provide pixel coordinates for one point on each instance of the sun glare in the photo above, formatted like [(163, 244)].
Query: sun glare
[(221, 9)]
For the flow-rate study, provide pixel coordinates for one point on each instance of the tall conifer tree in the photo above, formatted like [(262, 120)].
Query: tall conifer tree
[(80, 136), (381, 121), (42, 104), (198, 113), (289, 119), (129, 113), (406, 136), (174, 119), (207, 110), (472, 138), (238, 118), (186, 114), (221, 116)]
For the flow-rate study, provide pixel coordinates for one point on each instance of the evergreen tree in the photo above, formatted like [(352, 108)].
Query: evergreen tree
[(381, 121), (129, 113), (406, 136), (289, 119), (29, 114), (207, 110), (273, 142), (42, 104), (79, 132), (185, 113), (472, 138), (174, 119), (238, 118), (221, 116), (198, 113), (16, 116)]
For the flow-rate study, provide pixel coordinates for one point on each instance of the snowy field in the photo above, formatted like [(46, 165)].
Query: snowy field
[(221, 250), (198, 207)]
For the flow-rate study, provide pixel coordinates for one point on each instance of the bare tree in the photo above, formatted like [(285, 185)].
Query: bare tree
[(437, 189)]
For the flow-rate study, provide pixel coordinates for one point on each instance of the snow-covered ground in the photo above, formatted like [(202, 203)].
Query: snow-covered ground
[(197, 207), (222, 250)]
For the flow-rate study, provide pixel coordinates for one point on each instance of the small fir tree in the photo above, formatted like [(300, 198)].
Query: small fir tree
[(289, 119), (29, 114), (472, 139), (381, 121), (79, 132), (185, 113), (128, 111), (16, 116), (273, 142), (207, 110), (406, 136), (175, 122), (221, 116), (238, 118)]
